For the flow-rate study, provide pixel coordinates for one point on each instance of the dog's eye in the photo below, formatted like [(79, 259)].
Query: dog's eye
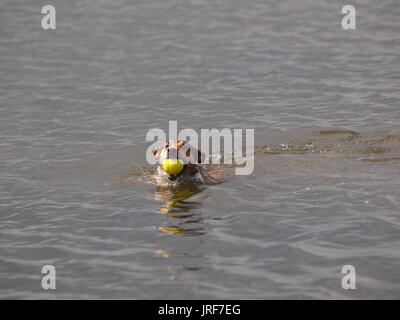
[(154, 151), (188, 153)]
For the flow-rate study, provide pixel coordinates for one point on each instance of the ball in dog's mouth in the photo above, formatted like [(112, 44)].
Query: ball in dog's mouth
[(173, 167)]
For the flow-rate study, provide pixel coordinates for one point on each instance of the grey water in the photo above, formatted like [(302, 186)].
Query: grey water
[(76, 104)]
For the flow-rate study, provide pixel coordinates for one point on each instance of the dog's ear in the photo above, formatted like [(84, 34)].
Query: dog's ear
[(200, 156), (189, 154), (156, 152)]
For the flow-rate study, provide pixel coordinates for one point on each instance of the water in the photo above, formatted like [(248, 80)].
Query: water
[(77, 102)]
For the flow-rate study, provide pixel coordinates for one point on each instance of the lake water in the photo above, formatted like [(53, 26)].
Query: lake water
[(76, 104)]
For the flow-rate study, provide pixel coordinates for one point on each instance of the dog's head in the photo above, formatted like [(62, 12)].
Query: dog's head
[(177, 150)]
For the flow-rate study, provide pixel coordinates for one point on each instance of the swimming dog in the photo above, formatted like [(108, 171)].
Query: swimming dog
[(191, 158)]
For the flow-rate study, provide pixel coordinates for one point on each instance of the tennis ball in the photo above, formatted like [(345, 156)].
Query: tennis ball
[(172, 166)]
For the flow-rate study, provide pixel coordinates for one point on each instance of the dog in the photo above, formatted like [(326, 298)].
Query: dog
[(192, 171)]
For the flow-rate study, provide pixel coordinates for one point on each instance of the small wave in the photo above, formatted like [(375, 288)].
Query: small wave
[(375, 146)]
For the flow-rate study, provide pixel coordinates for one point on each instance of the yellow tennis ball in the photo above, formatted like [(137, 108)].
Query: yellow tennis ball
[(172, 166)]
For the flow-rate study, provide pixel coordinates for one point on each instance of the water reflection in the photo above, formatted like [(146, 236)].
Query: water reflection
[(179, 220), (173, 270), (177, 210)]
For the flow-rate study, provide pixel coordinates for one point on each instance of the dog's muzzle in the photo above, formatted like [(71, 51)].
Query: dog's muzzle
[(174, 177)]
